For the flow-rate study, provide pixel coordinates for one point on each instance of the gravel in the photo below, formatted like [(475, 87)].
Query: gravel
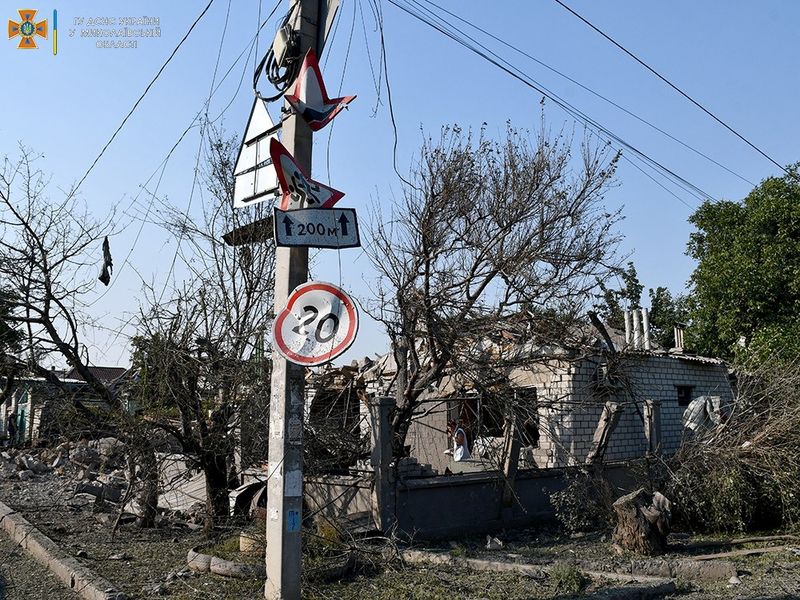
[(22, 578)]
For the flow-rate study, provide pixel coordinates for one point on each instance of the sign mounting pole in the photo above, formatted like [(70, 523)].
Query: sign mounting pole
[(285, 485)]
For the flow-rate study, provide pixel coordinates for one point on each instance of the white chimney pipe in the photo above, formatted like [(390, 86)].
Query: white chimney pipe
[(627, 328), (678, 337), (646, 327), (637, 331)]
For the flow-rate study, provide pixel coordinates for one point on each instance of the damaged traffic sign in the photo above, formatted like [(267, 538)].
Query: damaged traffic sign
[(299, 190), (309, 97), (319, 323), (255, 179), (314, 228)]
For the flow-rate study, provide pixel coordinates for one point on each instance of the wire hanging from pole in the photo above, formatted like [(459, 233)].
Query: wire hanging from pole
[(281, 76)]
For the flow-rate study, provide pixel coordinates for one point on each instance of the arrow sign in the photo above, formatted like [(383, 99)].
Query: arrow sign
[(299, 190), (314, 228)]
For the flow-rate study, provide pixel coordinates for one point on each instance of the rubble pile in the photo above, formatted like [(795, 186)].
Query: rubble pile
[(83, 461), (91, 475)]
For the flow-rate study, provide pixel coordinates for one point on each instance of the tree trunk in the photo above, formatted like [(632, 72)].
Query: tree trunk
[(148, 476), (643, 521), (215, 469)]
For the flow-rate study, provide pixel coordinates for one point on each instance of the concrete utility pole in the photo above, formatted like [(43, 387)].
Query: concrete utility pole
[(285, 486)]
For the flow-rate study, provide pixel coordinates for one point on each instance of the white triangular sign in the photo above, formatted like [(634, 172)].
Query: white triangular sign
[(255, 179)]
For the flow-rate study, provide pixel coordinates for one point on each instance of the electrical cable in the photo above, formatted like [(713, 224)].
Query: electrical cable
[(588, 89), (339, 92), (673, 86), (485, 53), (570, 109), (139, 100), (192, 125), (376, 79), (203, 129), (385, 64), (281, 76)]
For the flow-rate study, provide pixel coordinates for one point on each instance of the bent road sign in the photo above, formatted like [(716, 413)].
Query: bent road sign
[(255, 179), (299, 190), (314, 228), (309, 97), (319, 323)]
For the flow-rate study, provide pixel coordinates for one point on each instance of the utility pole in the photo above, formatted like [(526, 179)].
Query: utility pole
[(285, 484)]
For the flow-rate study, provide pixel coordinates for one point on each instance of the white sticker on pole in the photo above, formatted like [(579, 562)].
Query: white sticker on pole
[(319, 323)]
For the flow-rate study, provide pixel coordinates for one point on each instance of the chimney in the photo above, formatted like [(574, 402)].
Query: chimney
[(637, 330), (628, 331), (646, 327), (679, 327)]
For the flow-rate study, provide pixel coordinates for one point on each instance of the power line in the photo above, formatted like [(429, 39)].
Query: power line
[(588, 89), (163, 165), (144, 93), (491, 57), (674, 87)]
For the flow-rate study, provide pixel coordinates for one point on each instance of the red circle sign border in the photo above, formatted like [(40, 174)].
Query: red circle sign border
[(349, 338)]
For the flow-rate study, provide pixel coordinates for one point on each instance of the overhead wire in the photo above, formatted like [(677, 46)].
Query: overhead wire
[(162, 166), (587, 89), (570, 109), (203, 130), (441, 25), (384, 63), (141, 97), (672, 85), (215, 86)]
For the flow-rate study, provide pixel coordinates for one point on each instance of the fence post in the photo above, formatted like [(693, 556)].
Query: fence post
[(384, 504), (652, 426)]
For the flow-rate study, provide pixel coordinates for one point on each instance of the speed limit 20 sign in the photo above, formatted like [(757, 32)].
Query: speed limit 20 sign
[(319, 323)]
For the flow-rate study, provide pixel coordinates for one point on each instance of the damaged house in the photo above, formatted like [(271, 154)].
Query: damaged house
[(641, 390), (623, 399), (43, 408)]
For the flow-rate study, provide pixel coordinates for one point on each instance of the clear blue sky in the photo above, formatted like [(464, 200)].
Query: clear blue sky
[(737, 58)]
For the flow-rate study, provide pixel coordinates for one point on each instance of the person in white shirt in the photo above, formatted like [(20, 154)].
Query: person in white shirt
[(460, 448)]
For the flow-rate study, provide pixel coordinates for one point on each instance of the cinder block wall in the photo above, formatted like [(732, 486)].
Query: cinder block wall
[(566, 430)]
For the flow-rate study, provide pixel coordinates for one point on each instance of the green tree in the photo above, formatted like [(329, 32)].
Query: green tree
[(10, 338), (746, 286), (616, 302), (666, 309)]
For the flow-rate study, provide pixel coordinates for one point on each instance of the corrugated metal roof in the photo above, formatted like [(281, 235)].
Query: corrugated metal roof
[(104, 374)]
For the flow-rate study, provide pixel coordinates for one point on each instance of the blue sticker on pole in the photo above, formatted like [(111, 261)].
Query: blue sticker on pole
[(292, 520)]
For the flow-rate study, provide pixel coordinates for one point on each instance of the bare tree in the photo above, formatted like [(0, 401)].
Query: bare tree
[(200, 352), (490, 239), (48, 259)]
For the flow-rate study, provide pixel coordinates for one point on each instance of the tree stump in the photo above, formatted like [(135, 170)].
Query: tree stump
[(643, 522)]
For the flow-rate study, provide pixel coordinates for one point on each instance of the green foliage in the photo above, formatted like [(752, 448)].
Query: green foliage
[(747, 281), (743, 474), (10, 336), (616, 302), (584, 505), (665, 311), (567, 579), (720, 499)]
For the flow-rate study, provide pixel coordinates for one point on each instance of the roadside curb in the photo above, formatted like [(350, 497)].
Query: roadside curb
[(69, 571), (632, 587)]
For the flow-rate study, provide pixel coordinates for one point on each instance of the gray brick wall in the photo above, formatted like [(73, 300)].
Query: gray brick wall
[(568, 423)]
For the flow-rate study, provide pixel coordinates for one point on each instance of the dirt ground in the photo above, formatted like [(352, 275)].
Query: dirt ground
[(151, 563)]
